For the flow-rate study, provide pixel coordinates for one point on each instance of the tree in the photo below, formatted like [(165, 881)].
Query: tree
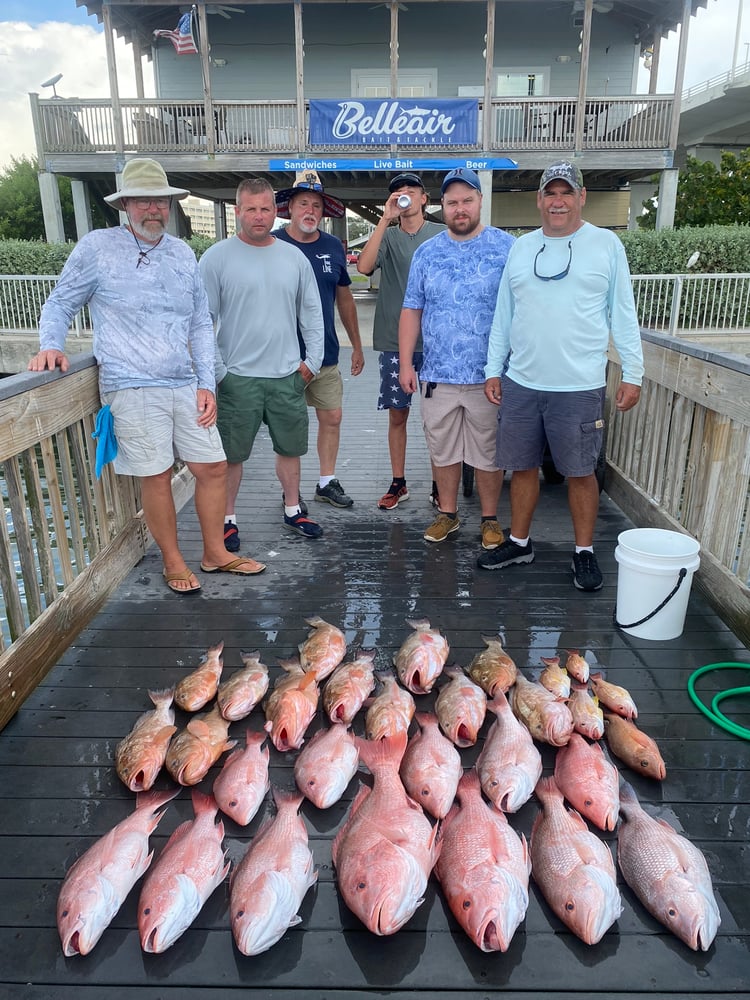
[(21, 203), (708, 195)]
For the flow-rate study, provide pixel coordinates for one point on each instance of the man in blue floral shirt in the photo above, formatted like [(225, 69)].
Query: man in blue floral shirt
[(450, 299)]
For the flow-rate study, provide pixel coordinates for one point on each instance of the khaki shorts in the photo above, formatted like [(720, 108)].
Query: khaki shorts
[(155, 425), (244, 403), (326, 391), (460, 425)]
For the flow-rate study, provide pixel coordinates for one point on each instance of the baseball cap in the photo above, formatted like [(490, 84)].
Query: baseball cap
[(405, 180), (562, 171), (461, 174)]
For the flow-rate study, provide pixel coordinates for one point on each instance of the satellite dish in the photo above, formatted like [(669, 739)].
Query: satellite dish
[(52, 82)]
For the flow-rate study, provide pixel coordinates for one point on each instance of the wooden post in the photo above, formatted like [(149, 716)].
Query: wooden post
[(299, 59), (679, 75), (208, 104), (583, 76), (109, 42), (653, 80), (138, 70), (489, 63)]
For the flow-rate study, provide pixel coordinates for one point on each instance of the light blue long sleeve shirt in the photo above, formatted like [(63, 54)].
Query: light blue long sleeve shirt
[(152, 325), (554, 334)]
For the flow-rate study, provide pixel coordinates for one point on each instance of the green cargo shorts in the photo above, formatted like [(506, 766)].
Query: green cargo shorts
[(245, 403)]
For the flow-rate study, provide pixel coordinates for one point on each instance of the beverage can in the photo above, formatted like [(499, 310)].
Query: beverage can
[(403, 201)]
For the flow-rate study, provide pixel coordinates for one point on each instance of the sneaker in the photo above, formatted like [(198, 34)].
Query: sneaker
[(508, 553), (333, 494), (441, 527), (303, 526), (492, 534), (394, 496), (231, 537), (586, 572), (302, 504)]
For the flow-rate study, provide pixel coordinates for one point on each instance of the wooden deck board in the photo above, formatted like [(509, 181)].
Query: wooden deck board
[(370, 573)]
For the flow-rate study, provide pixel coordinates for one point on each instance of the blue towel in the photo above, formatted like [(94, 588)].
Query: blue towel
[(106, 442)]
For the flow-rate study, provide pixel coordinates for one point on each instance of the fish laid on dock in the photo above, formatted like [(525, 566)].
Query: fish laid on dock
[(324, 648), (242, 783), (197, 748), (509, 764), (390, 711), (431, 767), (554, 677), (461, 707), (617, 699), (239, 695), (349, 686), (291, 706), (270, 882), (634, 747), (546, 717), (326, 765), (492, 669), (185, 874), (195, 691), (140, 755), (588, 781), (588, 718), (421, 658), (96, 885)]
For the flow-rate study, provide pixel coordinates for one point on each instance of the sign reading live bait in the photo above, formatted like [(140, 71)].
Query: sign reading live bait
[(377, 123)]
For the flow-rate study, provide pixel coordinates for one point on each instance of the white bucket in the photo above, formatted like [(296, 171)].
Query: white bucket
[(650, 560)]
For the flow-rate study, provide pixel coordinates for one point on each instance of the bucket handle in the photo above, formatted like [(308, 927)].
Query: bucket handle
[(680, 577)]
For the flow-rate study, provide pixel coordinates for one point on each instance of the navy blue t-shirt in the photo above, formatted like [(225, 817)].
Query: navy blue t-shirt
[(326, 254)]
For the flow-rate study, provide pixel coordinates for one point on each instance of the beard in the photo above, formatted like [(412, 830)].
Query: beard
[(308, 226), (150, 230)]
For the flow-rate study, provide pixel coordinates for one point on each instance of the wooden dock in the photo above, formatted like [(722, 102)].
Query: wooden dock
[(370, 572)]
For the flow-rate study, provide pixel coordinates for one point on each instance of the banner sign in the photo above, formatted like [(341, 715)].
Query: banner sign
[(387, 163), (379, 123)]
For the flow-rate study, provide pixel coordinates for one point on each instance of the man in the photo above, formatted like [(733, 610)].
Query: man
[(154, 343), (391, 248), (565, 287), (450, 298), (305, 205), (260, 292)]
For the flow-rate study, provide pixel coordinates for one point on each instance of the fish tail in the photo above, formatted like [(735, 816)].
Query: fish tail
[(155, 801), (248, 657), (628, 799), (417, 623), (315, 621), (498, 703), (469, 784), (215, 650), (290, 663), (285, 798), (163, 696), (384, 754), (547, 790), (426, 719), (252, 737), (203, 803)]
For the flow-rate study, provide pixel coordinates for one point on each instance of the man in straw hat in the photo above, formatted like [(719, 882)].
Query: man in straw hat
[(261, 293), (154, 343), (565, 290), (305, 205)]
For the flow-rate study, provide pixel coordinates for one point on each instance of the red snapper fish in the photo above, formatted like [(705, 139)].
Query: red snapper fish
[(588, 718), (239, 695), (422, 657), (667, 873), (588, 781), (349, 686), (483, 869), (546, 718), (186, 872), (196, 749), (326, 766), (387, 847), (196, 690), (96, 885), (509, 765), (634, 747), (270, 882), (291, 705), (492, 669), (431, 767), (617, 699), (390, 712), (461, 707), (140, 755), (554, 677), (577, 666), (242, 783), (324, 648), (573, 868)]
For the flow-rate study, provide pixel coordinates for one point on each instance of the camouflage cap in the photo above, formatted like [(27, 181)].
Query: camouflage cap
[(562, 171)]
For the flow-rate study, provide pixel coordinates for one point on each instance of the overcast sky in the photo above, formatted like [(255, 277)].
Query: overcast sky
[(40, 38)]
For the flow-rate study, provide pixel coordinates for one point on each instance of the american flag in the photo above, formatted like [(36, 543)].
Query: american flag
[(182, 38)]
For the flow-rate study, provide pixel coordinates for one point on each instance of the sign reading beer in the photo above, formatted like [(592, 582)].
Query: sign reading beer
[(394, 122)]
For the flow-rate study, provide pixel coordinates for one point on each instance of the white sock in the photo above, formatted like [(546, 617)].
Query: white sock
[(324, 481), (584, 548), (230, 517), (291, 511), (523, 542)]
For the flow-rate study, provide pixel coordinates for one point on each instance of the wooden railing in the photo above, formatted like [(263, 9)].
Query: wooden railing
[(170, 126), (67, 539), (681, 460)]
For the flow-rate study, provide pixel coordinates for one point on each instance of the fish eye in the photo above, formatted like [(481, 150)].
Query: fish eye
[(671, 912), (240, 913), (233, 803), (362, 885), (570, 906), (425, 791), (311, 783), (466, 904), (588, 802), (65, 913), (147, 910), (493, 783), (644, 763)]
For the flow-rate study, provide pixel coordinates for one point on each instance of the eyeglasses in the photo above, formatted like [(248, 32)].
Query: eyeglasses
[(553, 277), (144, 203)]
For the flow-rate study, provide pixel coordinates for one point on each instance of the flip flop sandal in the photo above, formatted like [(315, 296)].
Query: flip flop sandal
[(171, 578), (233, 566)]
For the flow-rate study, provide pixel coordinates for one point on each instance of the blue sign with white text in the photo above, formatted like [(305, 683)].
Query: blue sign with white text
[(355, 122), (386, 163)]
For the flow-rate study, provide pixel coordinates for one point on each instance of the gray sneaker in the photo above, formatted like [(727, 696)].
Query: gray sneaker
[(334, 494), (509, 553)]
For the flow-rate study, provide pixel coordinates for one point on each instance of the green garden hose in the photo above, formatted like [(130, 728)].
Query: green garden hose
[(714, 713)]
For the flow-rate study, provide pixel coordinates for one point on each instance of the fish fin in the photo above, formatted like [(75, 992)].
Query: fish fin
[(315, 621), (198, 728), (162, 696), (291, 663), (307, 680), (287, 797), (215, 650), (179, 833), (418, 623), (376, 754), (154, 800), (254, 655)]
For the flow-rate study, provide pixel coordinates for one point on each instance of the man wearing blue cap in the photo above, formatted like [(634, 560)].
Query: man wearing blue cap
[(566, 287), (450, 298)]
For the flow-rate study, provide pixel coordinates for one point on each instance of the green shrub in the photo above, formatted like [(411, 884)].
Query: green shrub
[(33, 256), (199, 244), (722, 249)]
